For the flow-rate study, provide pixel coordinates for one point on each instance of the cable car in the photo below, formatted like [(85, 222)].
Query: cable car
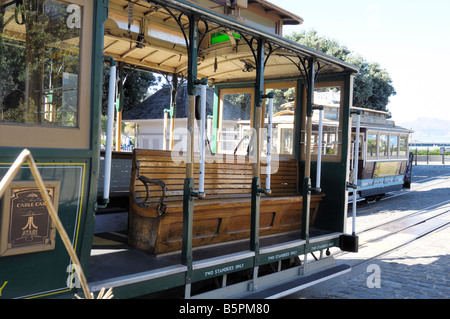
[(384, 161), (195, 215)]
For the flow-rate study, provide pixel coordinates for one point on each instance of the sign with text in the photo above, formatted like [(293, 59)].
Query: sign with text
[(26, 224)]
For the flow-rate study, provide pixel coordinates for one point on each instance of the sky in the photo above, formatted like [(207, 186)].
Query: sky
[(410, 39)]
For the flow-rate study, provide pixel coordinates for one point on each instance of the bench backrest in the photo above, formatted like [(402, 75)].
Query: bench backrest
[(225, 175), (121, 164)]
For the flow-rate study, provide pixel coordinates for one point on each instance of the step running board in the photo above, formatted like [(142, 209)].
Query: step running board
[(295, 285)]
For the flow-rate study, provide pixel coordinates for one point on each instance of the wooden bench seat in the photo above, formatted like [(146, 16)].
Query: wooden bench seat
[(156, 209)]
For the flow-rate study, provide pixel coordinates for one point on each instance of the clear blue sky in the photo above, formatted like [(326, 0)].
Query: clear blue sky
[(409, 39)]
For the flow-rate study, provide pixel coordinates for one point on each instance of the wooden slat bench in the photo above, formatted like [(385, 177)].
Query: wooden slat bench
[(156, 223)]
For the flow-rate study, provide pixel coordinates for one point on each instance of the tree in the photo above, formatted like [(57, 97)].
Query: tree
[(372, 86), (135, 89), (39, 54)]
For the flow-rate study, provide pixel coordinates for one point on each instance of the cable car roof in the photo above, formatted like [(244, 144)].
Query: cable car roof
[(162, 45)]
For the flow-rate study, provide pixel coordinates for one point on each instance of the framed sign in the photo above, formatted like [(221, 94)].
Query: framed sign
[(26, 225)]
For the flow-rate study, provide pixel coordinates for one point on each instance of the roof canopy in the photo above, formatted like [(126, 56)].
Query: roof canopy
[(158, 35)]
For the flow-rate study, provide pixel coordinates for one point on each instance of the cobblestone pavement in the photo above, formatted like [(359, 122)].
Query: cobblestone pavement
[(419, 270)]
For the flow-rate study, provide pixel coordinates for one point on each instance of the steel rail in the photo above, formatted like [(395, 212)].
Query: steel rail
[(430, 231), (418, 213), (435, 214)]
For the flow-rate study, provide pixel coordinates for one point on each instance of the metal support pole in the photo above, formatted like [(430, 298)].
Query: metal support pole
[(254, 233), (201, 190), (351, 242), (191, 88), (188, 222), (109, 131), (269, 141), (256, 187), (254, 230), (165, 128), (306, 207), (355, 171), (309, 114), (172, 113), (307, 175), (188, 194), (319, 148)]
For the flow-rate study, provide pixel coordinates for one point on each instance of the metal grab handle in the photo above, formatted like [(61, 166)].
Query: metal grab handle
[(161, 207)]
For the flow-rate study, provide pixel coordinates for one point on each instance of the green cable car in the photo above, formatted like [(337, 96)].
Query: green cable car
[(205, 207)]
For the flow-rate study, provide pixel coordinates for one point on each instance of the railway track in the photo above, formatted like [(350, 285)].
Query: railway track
[(381, 238), (390, 236)]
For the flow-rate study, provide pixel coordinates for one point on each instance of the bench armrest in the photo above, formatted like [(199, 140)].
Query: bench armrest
[(161, 207)]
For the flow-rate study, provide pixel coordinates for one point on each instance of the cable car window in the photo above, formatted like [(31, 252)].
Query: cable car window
[(359, 146), (39, 63), (330, 99), (383, 145), (393, 146), (235, 125), (283, 118), (371, 146), (403, 146)]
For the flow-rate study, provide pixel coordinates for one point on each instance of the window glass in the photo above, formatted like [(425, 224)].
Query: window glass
[(393, 145), (330, 99), (371, 145), (383, 145), (39, 63), (403, 146), (359, 146), (282, 120), (235, 127)]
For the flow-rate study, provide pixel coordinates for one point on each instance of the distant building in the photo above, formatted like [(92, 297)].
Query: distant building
[(149, 116)]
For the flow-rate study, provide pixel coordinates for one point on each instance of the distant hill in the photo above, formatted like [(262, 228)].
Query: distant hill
[(429, 129)]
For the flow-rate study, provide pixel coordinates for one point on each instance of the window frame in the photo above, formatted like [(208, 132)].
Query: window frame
[(378, 156), (78, 137), (325, 157), (282, 127), (222, 93)]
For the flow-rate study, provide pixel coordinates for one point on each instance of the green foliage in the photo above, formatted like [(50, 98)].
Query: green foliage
[(36, 64), (372, 86), (135, 89), (281, 96), (430, 152)]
